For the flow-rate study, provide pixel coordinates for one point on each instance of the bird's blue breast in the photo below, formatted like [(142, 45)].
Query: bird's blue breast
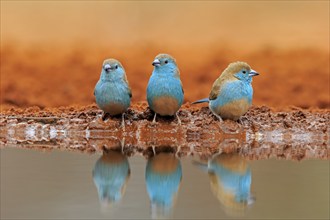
[(164, 86), (233, 100), (109, 179), (110, 94), (234, 90), (235, 183), (162, 186)]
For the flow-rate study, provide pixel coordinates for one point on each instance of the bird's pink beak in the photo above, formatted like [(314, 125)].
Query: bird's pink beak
[(107, 67), (156, 62), (253, 73)]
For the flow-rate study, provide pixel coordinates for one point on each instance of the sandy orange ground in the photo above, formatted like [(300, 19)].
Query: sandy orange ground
[(47, 76), (52, 52)]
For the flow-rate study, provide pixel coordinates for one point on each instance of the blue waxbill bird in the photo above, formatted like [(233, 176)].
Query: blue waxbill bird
[(231, 94), (164, 91), (112, 92)]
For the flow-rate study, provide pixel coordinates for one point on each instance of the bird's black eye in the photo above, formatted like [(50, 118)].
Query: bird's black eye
[(244, 71), (116, 66), (166, 61)]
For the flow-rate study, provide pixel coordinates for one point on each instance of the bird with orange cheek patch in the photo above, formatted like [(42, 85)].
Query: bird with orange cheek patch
[(112, 92), (231, 94), (164, 91)]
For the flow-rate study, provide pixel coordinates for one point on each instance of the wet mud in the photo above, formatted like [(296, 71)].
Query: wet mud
[(262, 133)]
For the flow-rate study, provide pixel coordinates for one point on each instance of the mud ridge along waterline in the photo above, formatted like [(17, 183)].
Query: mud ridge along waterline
[(262, 132)]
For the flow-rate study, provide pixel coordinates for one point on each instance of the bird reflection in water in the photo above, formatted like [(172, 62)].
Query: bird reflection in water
[(111, 173), (163, 178), (230, 180)]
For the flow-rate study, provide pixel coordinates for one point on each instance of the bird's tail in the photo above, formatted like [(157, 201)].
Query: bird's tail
[(201, 101)]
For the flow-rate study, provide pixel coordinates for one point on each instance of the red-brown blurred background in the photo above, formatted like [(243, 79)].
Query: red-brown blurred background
[(52, 52)]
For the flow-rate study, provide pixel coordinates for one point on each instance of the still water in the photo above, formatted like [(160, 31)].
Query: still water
[(71, 185)]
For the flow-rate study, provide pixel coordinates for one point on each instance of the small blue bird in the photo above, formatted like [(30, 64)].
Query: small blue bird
[(231, 94), (164, 91), (112, 92), (163, 178), (110, 175), (230, 179)]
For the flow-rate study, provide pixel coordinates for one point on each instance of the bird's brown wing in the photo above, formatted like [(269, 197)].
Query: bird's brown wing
[(177, 75), (215, 89), (129, 88), (129, 91)]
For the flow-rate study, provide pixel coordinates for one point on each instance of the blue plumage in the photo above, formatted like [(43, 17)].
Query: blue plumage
[(230, 180), (234, 182), (161, 85), (231, 94), (110, 174), (163, 178), (164, 90), (233, 91), (112, 91)]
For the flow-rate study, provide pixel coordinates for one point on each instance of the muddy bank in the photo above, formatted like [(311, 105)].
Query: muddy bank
[(258, 118), (262, 133)]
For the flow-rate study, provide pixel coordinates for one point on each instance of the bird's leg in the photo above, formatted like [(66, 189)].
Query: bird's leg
[(240, 125), (153, 149), (123, 121), (177, 116), (219, 151), (154, 121), (219, 117), (177, 152), (220, 121), (216, 115), (240, 120), (122, 144), (105, 116)]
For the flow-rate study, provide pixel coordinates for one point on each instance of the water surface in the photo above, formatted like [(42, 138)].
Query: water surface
[(63, 184)]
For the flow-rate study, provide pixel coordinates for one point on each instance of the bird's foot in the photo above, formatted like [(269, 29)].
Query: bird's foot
[(177, 116), (242, 119), (154, 120), (230, 127), (177, 152), (122, 145), (153, 150), (220, 121), (123, 121), (105, 116)]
